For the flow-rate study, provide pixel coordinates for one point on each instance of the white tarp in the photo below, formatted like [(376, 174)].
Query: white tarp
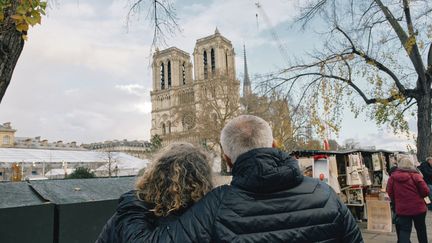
[(120, 168), (15, 155)]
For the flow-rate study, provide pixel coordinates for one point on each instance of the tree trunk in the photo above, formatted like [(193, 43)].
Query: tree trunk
[(424, 124), (11, 46)]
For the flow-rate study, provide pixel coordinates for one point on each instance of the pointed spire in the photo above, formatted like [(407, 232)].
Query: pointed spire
[(247, 90), (217, 31)]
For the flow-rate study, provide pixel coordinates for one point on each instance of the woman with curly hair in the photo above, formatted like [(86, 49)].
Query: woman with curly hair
[(179, 177)]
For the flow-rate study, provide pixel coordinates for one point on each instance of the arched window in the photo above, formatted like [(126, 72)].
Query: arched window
[(169, 74), (163, 129), (162, 74), (213, 61), (183, 68), (6, 139), (205, 64), (169, 126)]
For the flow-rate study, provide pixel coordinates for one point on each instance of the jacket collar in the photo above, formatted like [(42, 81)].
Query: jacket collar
[(266, 170)]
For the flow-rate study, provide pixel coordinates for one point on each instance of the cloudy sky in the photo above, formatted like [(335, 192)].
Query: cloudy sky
[(84, 76)]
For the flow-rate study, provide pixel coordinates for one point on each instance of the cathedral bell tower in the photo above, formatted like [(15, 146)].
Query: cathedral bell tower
[(172, 72), (214, 56)]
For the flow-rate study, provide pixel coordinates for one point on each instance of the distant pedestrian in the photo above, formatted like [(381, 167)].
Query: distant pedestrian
[(393, 168), (426, 170), (406, 189)]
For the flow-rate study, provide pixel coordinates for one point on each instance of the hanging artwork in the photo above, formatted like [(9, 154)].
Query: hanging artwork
[(377, 178), (355, 197), (376, 162), (365, 177), (353, 177), (354, 161)]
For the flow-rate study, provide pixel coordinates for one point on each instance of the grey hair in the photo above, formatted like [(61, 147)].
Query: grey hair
[(244, 133), (406, 163), (428, 158)]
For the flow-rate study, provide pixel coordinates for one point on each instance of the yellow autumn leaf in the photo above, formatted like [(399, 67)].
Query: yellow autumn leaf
[(22, 27), (17, 17)]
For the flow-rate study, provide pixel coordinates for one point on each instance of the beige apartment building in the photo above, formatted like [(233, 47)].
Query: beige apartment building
[(7, 135)]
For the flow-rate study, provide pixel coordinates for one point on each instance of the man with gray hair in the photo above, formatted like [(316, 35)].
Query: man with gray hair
[(269, 200)]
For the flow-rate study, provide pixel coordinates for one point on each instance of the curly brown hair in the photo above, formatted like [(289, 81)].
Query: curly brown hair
[(180, 176)]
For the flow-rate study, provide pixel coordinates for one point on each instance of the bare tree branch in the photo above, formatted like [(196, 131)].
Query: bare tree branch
[(410, 48)]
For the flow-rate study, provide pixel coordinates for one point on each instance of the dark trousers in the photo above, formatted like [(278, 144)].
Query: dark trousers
[(405, 226)]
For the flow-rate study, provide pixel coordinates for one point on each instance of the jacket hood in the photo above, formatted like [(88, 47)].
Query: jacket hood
[(266, 170), (402, 175)]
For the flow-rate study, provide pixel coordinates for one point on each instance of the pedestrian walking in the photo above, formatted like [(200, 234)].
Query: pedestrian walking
[(426, 170), (406, 189)]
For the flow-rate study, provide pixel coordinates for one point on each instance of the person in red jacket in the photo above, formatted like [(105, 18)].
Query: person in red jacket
[(406, 189)]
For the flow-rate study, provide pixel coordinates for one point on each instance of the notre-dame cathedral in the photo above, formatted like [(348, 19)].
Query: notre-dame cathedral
[(176, 97)]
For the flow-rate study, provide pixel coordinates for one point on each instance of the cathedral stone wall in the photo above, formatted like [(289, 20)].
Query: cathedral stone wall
[(177, 95)]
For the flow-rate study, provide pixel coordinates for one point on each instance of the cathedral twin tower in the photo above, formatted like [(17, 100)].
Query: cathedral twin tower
[(177, 97)]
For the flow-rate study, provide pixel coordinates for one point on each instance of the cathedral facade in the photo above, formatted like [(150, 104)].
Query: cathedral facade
[(183, 91)]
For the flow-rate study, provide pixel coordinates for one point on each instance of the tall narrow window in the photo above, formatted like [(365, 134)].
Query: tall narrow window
[(205, 64), (213, 61), (169, 126), (169, 74), (6, 139), (184, 73), (226, 61), (162, 75), (163, 129)]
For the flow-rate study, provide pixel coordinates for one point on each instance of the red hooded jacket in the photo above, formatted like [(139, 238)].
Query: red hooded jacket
[(407, 189)]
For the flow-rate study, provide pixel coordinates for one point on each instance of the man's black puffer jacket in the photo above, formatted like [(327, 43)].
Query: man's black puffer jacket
[(269, 200), (426, 170)]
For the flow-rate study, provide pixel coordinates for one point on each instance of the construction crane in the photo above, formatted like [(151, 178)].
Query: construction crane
[(273, 33)]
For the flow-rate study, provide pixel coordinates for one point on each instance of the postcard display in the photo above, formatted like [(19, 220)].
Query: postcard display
[(358, 176), (350, 176), (360, 180)]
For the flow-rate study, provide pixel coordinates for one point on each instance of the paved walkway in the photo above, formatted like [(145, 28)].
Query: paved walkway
[(374, 237)]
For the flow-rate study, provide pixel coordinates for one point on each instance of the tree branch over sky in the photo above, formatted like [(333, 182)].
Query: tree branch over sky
[(17, 16), (373, 58)]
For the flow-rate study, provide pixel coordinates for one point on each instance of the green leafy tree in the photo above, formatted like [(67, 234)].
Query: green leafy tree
[(376, 58), (155, 143), (81, 173)]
